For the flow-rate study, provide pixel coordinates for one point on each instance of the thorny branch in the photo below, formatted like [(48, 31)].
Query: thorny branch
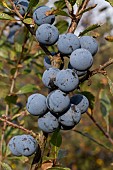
[(18, 126), (107, 135), (100, 69)]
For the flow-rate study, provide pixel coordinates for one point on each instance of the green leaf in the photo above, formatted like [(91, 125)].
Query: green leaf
[(4, 16), (110, 1), (32, 3), (105, 103), (4, 89), (90, 28), (62, 26), (56, 139), (46, 158), (90, 97), (5, 5), (5, 166), (59, 168), (11, 99), (18, 47), (110, 85), (28, 21), (72, 2), (79, 2), (1, 65), (20, 36), (12, 71), (4, 75), (69, 6), (62, 13), (87, 9), (105, 106), (29, 88), (60, 4)]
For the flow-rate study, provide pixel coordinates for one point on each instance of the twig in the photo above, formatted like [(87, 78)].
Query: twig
[(16, 10), (107, 135), (100, 69), (3, 132), (3, 28), (88, 136), (18, 127), (76, 18), (69, 7)]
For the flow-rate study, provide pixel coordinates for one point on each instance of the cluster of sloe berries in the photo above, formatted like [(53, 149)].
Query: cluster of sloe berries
[(58, 109)]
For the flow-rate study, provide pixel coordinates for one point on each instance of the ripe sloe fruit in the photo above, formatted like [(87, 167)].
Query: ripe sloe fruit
[(81, 102), (81, 59), (49, 77), (89, 43), (40, 17), (36, 104), (67, 80), (48, 123), (67, 43), (47, 62), (63, 127), (58, 101), (79, 73), (71, 117), (27, 145), (12, 145), (22, 6), (47, 34)]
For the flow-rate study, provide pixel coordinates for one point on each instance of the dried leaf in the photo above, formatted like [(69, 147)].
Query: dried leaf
[(109, 38)]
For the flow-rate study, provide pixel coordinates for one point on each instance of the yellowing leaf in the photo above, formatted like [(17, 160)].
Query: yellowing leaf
[(5, 5), (110, 85), (4, 16), (28, 21), (79, 2), (5, 166), (90, 28), (110, 1)]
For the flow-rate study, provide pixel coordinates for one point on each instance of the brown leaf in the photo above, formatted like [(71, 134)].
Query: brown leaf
[(47, 165), (109, 38)]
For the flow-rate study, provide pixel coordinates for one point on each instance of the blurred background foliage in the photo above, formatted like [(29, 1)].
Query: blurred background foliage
[(84, 149)]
